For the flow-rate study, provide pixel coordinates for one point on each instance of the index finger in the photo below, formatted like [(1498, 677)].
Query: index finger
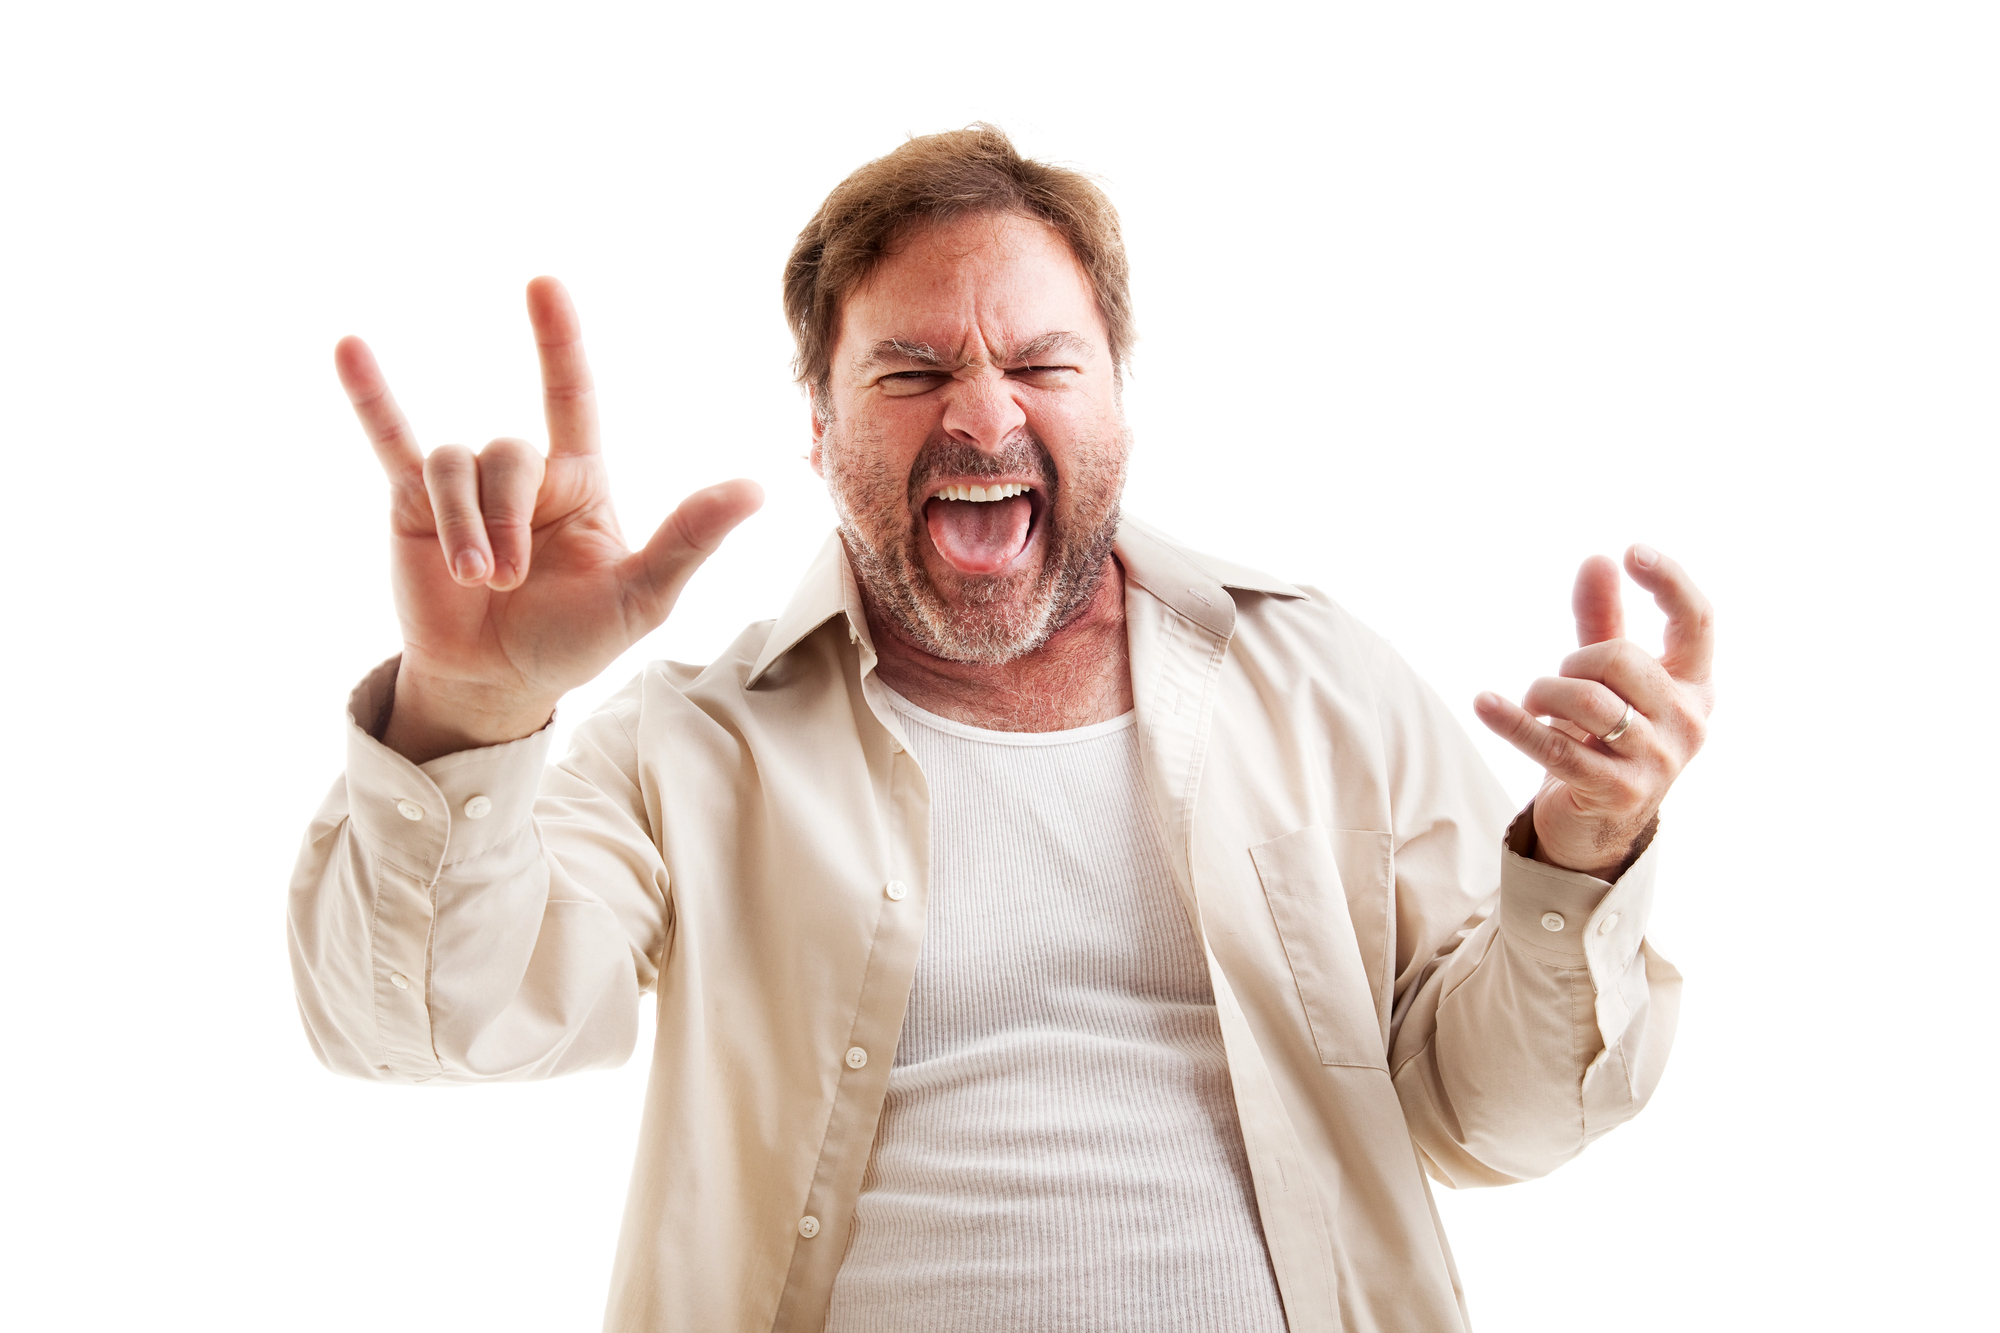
[(1690, 634), (569, 398), (388, 429)]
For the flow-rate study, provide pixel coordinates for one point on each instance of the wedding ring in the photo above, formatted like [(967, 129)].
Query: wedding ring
[(1623, 723)]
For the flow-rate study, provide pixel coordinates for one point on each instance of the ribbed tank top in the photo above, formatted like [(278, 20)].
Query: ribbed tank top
[(1059, 1148)]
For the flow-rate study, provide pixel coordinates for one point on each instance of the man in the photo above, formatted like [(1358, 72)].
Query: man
[(1052, 927)]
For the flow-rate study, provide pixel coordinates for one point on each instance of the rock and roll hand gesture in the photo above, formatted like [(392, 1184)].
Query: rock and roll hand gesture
[(1622, 724), (512, 582)]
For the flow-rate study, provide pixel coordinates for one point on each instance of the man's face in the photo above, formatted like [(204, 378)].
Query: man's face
[(973, 363)]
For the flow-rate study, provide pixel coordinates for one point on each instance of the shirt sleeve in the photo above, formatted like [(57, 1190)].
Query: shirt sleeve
[(1530, 1017), (477, 917)]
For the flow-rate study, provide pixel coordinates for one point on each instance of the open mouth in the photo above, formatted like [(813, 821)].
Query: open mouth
[(983, 528)]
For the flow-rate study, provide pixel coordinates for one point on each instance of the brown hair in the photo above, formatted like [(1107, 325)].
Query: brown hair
[(935, 178)]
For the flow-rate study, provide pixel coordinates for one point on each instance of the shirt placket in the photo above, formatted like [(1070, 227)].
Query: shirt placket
[(1176, 670), (865, 1062)]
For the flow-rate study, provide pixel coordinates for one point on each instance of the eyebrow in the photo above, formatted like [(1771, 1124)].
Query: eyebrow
[(904, 350), (900, 349), (1059, 341)]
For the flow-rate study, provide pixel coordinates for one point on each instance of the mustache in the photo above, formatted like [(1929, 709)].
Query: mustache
[(1020, 453)]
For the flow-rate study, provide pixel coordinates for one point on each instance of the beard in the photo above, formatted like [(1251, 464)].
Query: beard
[(982, 619)]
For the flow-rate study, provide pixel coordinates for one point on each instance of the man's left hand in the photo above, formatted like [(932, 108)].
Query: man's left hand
[(1622, 724)]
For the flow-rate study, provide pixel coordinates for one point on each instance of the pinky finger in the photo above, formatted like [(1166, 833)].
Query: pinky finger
[(1552, 749)]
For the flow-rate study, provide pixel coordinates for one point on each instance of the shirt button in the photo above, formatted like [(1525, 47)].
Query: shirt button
[(897, 890), (478, 807), (399, 981), (895, 746), (1604, 926), (856, 1057), (409, 810), (1552, 921), (809, 1226)]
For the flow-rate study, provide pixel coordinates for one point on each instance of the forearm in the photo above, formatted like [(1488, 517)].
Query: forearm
[(1546, 1027), (435, 929)]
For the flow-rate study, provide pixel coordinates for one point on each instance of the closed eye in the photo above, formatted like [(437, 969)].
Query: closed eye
[(903, 383)]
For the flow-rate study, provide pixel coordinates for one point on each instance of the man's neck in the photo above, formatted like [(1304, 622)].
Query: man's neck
[(1083, 674)]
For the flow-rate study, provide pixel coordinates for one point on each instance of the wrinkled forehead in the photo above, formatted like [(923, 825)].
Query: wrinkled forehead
[(969, 289)]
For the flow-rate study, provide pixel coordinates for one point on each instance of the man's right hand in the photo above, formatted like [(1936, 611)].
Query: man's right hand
[(512, 581)]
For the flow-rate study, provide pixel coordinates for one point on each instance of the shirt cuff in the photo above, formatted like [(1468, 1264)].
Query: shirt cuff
[(1570, 919), (421, 818)]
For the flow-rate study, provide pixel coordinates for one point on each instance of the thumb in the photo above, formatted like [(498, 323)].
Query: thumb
[(655, 574)]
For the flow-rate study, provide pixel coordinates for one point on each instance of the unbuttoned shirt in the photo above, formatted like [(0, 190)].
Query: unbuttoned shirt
[(1399, 990)]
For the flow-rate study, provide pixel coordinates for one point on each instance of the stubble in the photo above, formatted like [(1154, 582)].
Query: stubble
[(985, 620)]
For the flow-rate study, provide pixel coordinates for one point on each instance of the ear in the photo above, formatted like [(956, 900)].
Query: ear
[(818, 434)]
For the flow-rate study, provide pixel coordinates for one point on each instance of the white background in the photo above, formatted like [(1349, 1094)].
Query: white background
[(1435, 302)]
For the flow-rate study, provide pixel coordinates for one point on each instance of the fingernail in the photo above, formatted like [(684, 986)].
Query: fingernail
[(471, 566), (1487, 699), (1645, 556)]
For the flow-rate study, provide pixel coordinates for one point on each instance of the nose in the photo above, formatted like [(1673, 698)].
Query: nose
[(980, 411)]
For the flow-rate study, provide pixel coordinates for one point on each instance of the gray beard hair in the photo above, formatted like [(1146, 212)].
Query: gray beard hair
[(991, 622)]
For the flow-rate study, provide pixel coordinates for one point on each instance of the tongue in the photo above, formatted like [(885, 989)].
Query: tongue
[(976, 537)]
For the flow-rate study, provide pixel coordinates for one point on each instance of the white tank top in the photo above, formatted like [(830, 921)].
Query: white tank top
[(1059, 1147)]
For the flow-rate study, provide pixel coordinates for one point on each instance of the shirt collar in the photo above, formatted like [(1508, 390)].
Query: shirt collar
[(1193, 585)]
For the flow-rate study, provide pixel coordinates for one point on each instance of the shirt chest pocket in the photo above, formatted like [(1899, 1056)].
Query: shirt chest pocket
[(1310, 906)]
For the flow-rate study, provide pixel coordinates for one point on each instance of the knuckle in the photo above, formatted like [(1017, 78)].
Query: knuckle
[(447, 463), (686, 537), (1550, 745), (1625, 791), (409, 479), (1695, 727), (1586, 663), (506, 450), (461, 527)]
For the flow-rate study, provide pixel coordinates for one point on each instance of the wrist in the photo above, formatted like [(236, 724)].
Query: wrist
[(1608, 870), (427, 716)]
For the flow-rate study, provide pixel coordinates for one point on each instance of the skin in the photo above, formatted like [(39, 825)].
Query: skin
[(1598, 800), (977, 332), (513, 584)]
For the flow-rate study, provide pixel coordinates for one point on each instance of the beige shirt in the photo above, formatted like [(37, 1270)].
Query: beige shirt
[(750, 841)]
